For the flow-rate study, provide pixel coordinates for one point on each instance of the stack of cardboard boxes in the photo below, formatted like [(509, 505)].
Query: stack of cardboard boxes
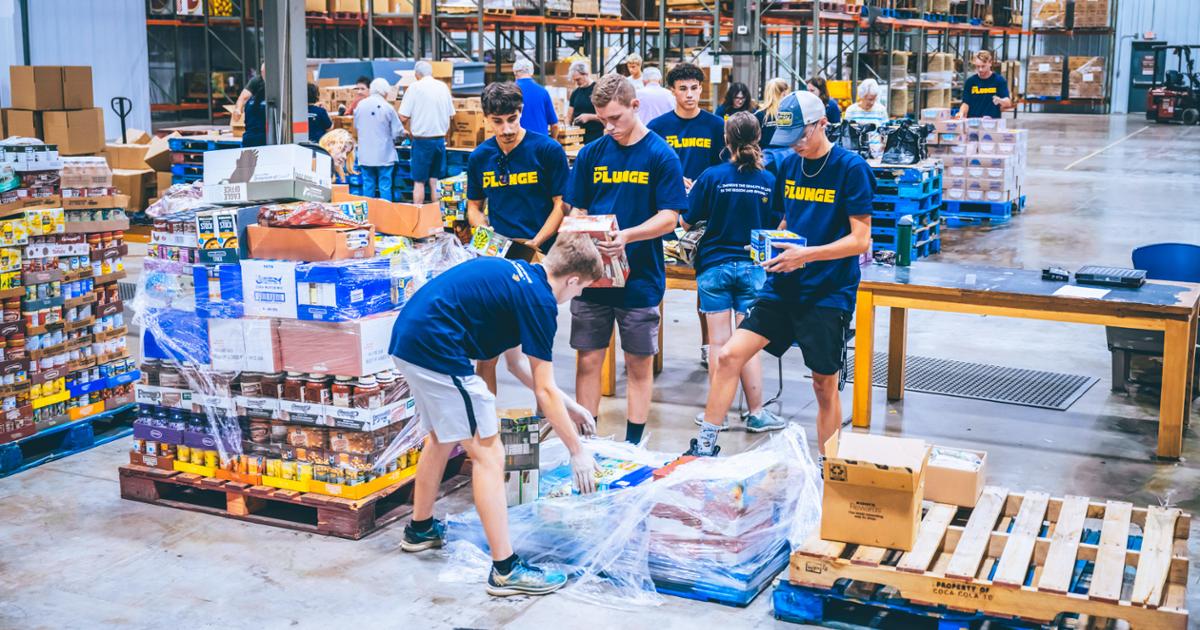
[(984, 161), (1048, 14), (1086, 78), (1090, 14), (1045, 76), (468, 128), (54, 104), (141, 167)]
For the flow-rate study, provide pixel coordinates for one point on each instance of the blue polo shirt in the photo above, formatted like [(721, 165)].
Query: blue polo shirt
[(733, 202), (697, 141), (978, 93), (634, 183), (538, 112), (519, 187), (819, 209), (477, 310)]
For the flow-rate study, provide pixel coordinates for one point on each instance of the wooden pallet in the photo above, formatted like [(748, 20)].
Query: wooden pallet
[(301, 511), (1022, 555)]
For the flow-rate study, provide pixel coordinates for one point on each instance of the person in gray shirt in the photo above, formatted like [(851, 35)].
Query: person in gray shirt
[(377, 126)]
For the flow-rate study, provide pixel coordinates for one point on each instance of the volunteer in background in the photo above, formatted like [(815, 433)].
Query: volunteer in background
[(477, 310), (538, 114), (734, 198), (985, 94), (426, 110), (362, 89), (580, 111), (868, 108), (833, 111), (252, 105), (824, 194), (318, 118), (377, 126), (633, 63), (633, 174), (521, 175), (768, 109), (654, 100), (698, 138), (737, 99)]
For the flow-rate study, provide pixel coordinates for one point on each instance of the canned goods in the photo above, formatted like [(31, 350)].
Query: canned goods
[(151, 448), (210, 459), (183, 452), (197, 457), (139, 445)]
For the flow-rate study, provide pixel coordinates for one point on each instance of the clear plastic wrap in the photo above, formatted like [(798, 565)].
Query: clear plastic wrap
[(721, 526)]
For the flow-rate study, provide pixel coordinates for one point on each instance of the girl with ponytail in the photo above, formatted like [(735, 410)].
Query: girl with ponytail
[(733, 198)]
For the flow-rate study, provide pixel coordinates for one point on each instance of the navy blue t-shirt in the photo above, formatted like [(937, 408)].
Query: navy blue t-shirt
[(978, 93), (833, 111), (538, 112), (634, 183), (733, 202), (819, 209), (519, 187), (318, 122), (697, 141), (477, 310)]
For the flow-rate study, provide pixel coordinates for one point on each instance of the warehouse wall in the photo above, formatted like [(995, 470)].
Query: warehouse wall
[(1172, 21), (109, 35)]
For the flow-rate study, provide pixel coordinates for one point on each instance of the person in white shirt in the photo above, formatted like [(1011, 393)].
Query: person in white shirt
[(868, 108), (633, 62), (377, 127), (654, 100), (426, 111)]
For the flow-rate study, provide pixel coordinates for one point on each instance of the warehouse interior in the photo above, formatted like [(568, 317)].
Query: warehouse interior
[(964, 338)]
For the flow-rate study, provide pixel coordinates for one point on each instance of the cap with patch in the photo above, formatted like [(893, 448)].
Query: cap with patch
[(796, 111)]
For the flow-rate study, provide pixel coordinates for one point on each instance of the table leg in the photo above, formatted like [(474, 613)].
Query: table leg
[(608, 370), (1175, 377), (658, 356), (864, 352), (897, 346), (1189, 391)]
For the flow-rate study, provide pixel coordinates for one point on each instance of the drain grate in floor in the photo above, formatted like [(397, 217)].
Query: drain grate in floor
[(1015, 386)]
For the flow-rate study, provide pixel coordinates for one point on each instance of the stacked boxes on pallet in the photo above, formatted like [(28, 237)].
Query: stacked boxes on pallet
[(1086, 78), (985, 166), (1045, 76), (914, 191), (1048, 14), (54, 104), (1090, 14)]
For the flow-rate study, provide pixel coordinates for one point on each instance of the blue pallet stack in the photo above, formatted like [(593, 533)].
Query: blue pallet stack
[(907, 190), (187, 156)]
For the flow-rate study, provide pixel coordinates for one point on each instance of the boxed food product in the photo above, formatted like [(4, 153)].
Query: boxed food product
[(1090, 14), (310, 244), (930, 114), (269, 288), (219, 233), (764, 244), (521, 486), (1087, 77), (989, 166), (487, 242), (218, 290), (1048, 14), (519, 431), (601, 227), (352, 348), (129, 156), (955, 476), (289, 171), (874, 486), (343, 290)]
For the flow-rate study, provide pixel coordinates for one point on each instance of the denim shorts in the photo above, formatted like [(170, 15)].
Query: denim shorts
[(428, 158), (731, 286)]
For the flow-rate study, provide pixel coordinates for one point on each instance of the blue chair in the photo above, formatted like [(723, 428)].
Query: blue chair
[(1162, 261)]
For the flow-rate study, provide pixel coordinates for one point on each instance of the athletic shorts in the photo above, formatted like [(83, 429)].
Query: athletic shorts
[(454, 408), (428, 160), (592, 325), (731, 286), (819, 331)]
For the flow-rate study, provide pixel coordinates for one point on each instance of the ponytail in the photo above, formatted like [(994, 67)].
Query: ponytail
[(742, 134)]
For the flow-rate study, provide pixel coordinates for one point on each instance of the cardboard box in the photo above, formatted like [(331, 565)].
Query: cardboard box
[(874, 486), (406, 219), (77, 87), (601, 227), (245, 345), (76, 132), (162, 181), (290, 171), (158, 153), (127, 156), (1089, 14), (353, 348), (1048, 14), (345, 290), (218, 291), (23, 122), (521, 486), (310, 244), (1045, 76), (134, 184), (36, 87), (269, 288), (955, 476), (764, 244), (1086, 78)]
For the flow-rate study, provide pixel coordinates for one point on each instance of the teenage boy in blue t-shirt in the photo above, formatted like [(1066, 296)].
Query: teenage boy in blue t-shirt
[(521, 176), (986, 93), (824, 194), (475, 311), (633, 174)]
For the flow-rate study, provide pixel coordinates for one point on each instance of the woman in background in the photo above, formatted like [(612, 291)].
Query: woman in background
[(768, 109), (832, 111), (737, 99), (868, 109)]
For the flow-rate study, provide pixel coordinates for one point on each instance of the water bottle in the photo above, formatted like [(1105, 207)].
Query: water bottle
[(904, 240)]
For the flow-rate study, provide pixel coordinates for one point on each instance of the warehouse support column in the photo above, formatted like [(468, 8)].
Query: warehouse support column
[(287, 80), (744, 44)]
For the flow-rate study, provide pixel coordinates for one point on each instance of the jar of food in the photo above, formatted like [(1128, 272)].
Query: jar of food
[(272, 385), (169, 375), (149, 372), (279, 432), (367, 394), (317, 389), (15, 349), (293, 387), (251, 384), (260, 432), (343, 389)]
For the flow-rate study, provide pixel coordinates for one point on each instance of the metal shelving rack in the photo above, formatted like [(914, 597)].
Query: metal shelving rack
[(1072, 42)]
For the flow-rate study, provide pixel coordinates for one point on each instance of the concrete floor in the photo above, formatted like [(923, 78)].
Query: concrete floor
[(75, 554)]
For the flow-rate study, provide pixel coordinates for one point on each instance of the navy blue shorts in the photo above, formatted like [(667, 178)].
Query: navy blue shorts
[(428, 158), (819, 331)]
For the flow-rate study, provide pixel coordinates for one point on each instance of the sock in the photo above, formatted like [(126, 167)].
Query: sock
[(505, 566), (708, 437), (422, 526), (633, 431)]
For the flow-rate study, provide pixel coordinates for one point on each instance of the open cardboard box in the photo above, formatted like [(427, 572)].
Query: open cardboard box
[(310, 244), (874, 486), (398, 219)]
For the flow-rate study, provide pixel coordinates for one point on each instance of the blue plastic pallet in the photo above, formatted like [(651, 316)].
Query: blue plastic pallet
[(921, 232), (923, 250), (700, 591), (65, 440), (893, 207), (910, 190), (887, 220), (185, 179), (963, 213), (187, 169)]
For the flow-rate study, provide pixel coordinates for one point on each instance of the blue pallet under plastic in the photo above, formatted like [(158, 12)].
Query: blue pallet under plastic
[(65, 440), (893, 207), (700, 591), (961, 213), (187, 170), (201, 144)]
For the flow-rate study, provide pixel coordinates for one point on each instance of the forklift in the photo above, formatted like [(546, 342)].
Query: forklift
[(1177, 97)]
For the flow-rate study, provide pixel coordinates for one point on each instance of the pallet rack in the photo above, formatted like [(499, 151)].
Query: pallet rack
[(1074, 42)]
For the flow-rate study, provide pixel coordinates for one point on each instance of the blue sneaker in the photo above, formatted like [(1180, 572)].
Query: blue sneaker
[(764, 421), (432, 538), (525, 579)]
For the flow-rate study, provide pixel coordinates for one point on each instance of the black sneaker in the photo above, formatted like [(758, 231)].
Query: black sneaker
[(694, 450), (432, 538)]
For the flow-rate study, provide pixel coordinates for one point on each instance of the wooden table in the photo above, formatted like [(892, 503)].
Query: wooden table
[(1171, 307)]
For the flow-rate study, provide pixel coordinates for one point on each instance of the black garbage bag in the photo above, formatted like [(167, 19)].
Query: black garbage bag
[(852, 136), (904, 142)]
